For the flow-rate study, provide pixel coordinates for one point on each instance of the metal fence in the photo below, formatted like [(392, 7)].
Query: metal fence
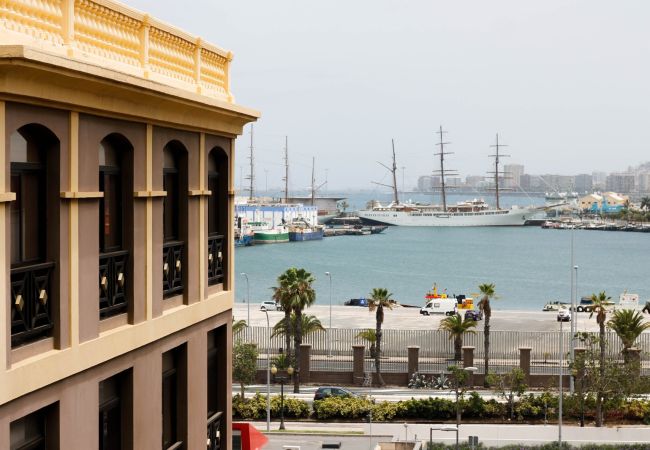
[(332, 350)]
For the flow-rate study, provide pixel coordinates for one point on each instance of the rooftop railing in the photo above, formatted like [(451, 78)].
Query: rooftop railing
[(112, 35)]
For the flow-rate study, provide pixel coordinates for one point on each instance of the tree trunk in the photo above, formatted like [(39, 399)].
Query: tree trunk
[(458, 347), (243, 391), (287, 335), (379, 316), (599, 399), (296, 343), (486, 346)]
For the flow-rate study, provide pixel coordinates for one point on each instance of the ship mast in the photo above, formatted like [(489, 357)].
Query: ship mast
[(497, 172), (251, 177), (393, 170), (286, 169), (313, 180), (443, 172)]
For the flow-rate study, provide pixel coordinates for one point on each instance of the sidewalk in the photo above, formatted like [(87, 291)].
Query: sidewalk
[(488, 434)]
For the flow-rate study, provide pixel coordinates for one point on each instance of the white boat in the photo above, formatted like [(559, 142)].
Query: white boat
[(473, 213)]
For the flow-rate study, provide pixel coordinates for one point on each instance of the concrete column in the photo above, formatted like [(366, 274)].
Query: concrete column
[(305, 361), (413, 358), (358, 352), (524, 361), (468, 361)]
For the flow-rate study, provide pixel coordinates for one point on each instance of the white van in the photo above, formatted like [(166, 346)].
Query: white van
[(446, 306)]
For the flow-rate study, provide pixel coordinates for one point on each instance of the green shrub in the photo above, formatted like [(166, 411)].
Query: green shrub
[(254, 408)]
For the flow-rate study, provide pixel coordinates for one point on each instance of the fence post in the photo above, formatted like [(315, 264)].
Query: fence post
[(413, 359), (305, 362), (524, 361), (358, 352), (468, 361)]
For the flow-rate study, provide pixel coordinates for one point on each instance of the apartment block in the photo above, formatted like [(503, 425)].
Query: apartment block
[(116, 209)]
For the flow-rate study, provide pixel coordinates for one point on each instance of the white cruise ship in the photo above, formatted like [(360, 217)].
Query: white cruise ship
[(475, 213)]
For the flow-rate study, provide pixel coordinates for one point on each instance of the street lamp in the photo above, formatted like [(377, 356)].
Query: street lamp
[(268, 374), (282, 378), (248, 298), (574, 320), (468, 372), (330, 328), (559, 418)]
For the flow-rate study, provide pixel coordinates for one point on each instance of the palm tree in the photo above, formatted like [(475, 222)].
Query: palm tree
[(457, 327), (238, 326), (628, 325), (283, 295), (487, 291), (369, 336), (379, 299), (599, 307), (310, 324), (645, 203)]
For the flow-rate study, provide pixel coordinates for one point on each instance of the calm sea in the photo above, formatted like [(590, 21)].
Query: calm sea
[(528, 265)]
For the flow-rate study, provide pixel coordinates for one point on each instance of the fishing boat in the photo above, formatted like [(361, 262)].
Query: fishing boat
[(301, 230), (472, 213), (263, 233)]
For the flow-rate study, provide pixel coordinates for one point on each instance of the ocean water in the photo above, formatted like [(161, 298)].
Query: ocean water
[(528, 265)]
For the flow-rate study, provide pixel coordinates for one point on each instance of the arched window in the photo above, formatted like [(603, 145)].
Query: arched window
[(174, 218), (115, 207), (33, 154), (217, 214)]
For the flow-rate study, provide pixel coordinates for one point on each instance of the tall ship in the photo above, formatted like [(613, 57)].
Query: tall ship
[(472, 213)]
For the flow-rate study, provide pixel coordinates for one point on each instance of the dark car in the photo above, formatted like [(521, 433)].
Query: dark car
[(332, 391), (474, 315), (356, 302)]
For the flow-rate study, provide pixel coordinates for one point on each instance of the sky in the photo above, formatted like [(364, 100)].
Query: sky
[(565, 83)]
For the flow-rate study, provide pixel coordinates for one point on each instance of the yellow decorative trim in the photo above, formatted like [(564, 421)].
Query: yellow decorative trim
[(231, 192), (199, 193), (7, 197), (81, 195), (149, 194)]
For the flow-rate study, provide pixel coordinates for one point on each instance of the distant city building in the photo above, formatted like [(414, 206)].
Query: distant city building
[(598, 180), (525, 182), (643, 182), (513, 173), (620, 182), (454, 181), (583, 183), (425, 183), (557, 183), (473, 180)]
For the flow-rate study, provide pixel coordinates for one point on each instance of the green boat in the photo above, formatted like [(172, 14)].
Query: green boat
[(273, 236)]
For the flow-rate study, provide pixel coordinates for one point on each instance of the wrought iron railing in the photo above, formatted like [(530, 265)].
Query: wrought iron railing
[(214, 431), (113, 279), (31, 299), (215, 259), (173, 268)]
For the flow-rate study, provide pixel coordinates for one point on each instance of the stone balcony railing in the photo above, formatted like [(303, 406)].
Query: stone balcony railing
[(111, 35)]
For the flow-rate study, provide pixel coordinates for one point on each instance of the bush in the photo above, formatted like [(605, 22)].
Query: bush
[(255, 408), (347, 408)]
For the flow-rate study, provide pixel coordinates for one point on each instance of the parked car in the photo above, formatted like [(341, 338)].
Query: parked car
[(564, 315), (270, 305), (332, 391), (474, 315), (356, 302)]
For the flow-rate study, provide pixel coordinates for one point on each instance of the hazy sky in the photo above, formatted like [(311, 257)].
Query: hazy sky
[(564, 83)]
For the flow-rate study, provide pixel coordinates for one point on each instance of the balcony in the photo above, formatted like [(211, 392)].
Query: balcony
[(215, 260), (113, 278), (110, 34), (31, 299), (173, 268), (214, 431)]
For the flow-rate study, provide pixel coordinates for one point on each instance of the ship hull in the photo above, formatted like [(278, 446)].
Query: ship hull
[(312, 235), (488, 218), (270, 237)]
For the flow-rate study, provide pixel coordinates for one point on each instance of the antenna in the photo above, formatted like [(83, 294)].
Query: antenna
[(286, 169), (392, 170), (442, 171), (251, 177), (496, 172)]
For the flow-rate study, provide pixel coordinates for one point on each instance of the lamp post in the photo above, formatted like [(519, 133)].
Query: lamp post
[(248, 298), (468, 371), (282, 378), (574, 321), (268, 374), (329, 275), (559, 413)]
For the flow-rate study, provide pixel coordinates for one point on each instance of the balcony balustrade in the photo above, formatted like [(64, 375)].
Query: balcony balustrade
[(31, 299), (173, 268), (214, 431), (113, 278), (215, 259)]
